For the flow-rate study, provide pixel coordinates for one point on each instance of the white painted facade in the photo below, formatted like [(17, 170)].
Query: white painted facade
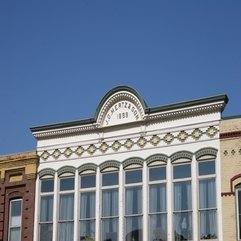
[(125, 132)]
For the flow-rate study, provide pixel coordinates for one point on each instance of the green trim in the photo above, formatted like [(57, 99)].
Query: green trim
[(87, 166), (181, 154), (207, 151), (47, 171), (156, 157), (188, 104), (133, 160), (107, 164), (66, 169)]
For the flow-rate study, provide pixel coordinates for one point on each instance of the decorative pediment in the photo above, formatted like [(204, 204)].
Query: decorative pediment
[(120, 105)]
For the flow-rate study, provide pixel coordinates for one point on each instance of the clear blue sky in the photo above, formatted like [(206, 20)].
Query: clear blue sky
[(59, 58)]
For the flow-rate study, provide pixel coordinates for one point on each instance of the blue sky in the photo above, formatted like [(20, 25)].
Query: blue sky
[(59, 58)]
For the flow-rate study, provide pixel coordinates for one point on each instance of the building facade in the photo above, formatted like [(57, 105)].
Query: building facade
[(132, 172), (230, 135), (17, 196)]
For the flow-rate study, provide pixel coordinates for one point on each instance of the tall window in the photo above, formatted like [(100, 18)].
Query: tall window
[(133, 205), (238, 200), (110, 182), (182, 202), (207, 200), (15, 220), (46, 209), (66, 209), (87, 206), (157, 203)]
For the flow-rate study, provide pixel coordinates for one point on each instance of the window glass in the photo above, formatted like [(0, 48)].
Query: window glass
[(134, 228), (207, 193), (88, 181), (87, 205), (157, 198), (208, 224), (15, 220), (46, 208), (109, 179), (206, 168), (157, 173), (47, 185), (46, 231), (67, 184), (110, 202), (183, 226), (158, 227), (182, 196), (133, 200), (134, 176), (182, 171)]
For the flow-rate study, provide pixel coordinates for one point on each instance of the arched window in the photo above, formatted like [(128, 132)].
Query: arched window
[(46, 207), (238, 205)]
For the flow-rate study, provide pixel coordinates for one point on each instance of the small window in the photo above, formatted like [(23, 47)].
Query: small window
[(67, 184), (88, 181), (133, 176), (182, 171), (47, 185), (110, 179), (206, 168), (15, 220), (157, 173)]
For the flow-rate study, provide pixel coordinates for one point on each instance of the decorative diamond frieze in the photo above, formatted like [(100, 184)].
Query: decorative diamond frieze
[(116, 145), (233, 152), (91, 149), (211, 131), (45, 155), (182, 136), (79, 151), (104, 147), (168, 138), (225, 152), (155, 140), (142, 141), (129, 144), (68, 152), (56, 153), (196, 134)]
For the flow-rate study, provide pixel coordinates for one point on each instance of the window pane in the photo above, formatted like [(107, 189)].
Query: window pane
[(46, 231), (158, 227), (133, 176), (133, 229), (109, 179), (66, 231), (157, 198), (183, 226), (46, 209), (239, 202), (87, 230), (208, 224), (206, 168), (110, 203), (110, 229), (47, 185), (133, 200), (88, 181), (15, 210), (182, 196), (87, 205), (157, 173), (67, 184), (14, 234), (207, 193), (66, 207), (182, 171)]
